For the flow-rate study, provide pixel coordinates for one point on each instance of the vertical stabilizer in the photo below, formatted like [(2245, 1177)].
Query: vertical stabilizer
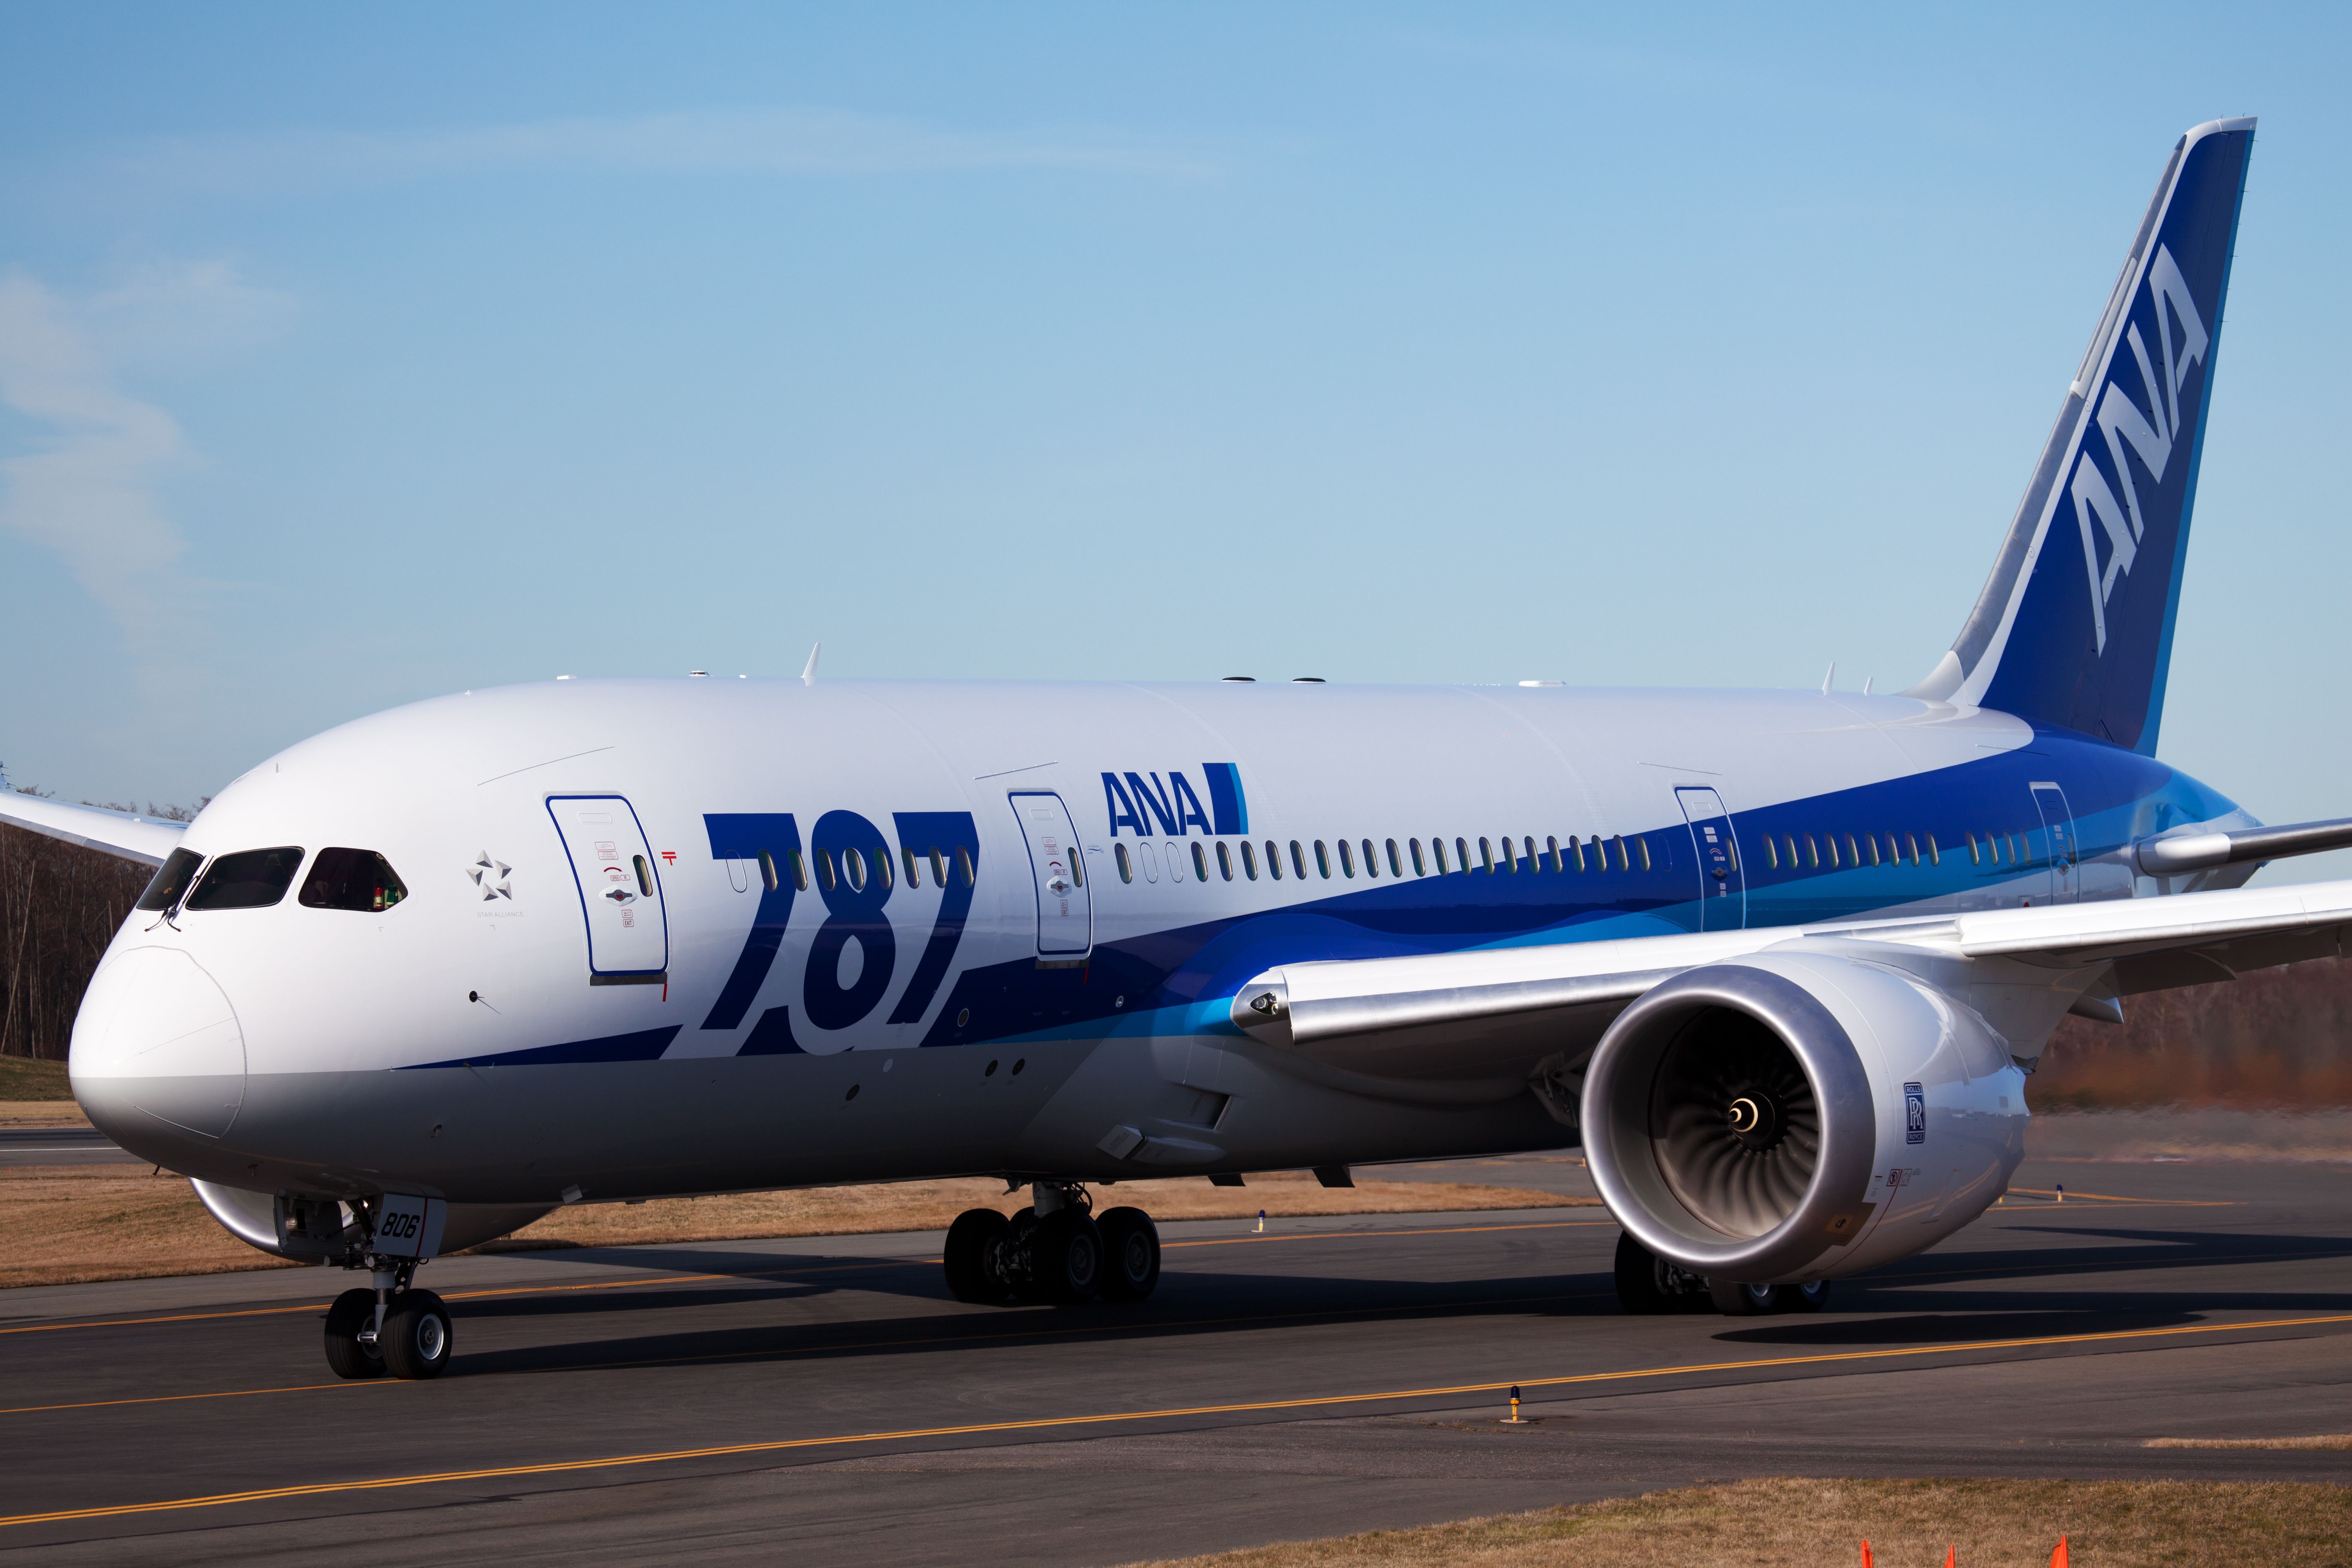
[(2075, 626)]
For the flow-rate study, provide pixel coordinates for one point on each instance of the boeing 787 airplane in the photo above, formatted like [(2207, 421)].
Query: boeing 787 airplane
[(1778, 961)]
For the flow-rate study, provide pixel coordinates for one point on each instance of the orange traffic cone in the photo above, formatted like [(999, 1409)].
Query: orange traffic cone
[(1866, 1562), (1951, 1557), (2058, 1558)]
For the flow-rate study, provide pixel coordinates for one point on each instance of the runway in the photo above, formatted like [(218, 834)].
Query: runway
[(737, 1401)]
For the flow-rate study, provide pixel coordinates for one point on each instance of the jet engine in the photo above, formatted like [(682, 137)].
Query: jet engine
[(1794, 1116)]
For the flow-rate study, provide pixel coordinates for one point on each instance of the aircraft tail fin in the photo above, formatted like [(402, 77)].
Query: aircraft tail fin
[(2074, 626)]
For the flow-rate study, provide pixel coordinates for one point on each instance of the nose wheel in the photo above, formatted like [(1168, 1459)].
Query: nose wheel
[(392, 1329), (1055, 1251)]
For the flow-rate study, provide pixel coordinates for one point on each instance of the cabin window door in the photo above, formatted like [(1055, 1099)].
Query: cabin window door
[(1066, 917), (2058, 842), (620, 889), (1722, 886)]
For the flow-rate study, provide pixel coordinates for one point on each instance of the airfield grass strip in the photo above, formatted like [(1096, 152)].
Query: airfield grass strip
[(1787, 1523)]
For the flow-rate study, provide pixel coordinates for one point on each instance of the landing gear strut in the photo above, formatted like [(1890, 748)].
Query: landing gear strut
[(1055, 1250), (393, 1328)]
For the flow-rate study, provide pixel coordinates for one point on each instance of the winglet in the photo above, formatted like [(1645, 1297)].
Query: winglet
[(808, 675)]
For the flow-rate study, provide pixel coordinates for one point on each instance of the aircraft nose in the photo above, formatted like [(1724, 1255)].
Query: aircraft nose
[(157, 1034)]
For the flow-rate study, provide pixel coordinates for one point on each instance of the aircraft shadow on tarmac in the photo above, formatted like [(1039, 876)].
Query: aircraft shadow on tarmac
[(1939, 1297)]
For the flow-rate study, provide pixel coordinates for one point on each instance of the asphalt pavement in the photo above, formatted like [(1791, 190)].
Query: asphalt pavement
[(824, 1398)]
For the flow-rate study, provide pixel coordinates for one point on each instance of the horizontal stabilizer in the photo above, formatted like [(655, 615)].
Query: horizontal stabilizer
[(2179, 854)]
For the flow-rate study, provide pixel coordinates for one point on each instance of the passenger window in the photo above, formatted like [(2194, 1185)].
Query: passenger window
[(2018, 854), (350, 880), (914, 871), (1199, 864), (1528, 853), (1437, 852), (1322, 858), (1225, 859), (1297, 861), (1420, 866), (826, 875), (171, 880), (939, 869), (1853, 851), (1974, 858), (963, 868), (1077, 867), (1371, 859), (249, 879), (1551, 854), (1644, 846), (800, 869), (1149, 855), (853, 866), (1771, 854), (1871, 839), (1125, 865), (1510, 861), (644, 876), (1911, 841), (1576, 850), (1347, 858), (1396, 866), (1175, 862), (767, 871), (1273, 860), (1249, 861), (1731, 849), (1935, 856), (1462, 854), (1812, 853)]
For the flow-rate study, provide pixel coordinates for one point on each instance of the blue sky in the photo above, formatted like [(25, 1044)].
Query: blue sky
[(348, 357)]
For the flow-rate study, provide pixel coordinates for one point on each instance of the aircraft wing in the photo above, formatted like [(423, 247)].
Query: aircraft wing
[(1470, 1015), (142, 838)]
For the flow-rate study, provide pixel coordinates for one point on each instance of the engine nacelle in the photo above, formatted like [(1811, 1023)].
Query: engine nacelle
[(1796, 1116)]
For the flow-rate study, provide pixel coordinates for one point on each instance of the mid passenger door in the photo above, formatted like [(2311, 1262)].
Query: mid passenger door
[(1065, 916), (620, 890), (2058, 841), (1722, 887)]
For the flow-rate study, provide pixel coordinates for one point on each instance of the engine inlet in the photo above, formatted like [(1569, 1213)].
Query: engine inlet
[(1733, 1122)]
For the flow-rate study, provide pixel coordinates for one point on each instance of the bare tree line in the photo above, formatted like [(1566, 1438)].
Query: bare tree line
[(60, 906)]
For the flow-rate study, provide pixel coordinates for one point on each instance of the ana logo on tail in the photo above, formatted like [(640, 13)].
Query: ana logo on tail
[(2152, 436)]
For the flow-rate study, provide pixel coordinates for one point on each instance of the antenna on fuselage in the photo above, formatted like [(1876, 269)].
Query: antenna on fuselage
[(808, 675), (1830, 676)]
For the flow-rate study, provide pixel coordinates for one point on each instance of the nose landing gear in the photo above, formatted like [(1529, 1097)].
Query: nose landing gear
[(1055, 1250), (394, 1328)]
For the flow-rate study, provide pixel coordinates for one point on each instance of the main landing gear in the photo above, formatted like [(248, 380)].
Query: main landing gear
[(1055, 1251), (394, 1328), (1648, 1284)]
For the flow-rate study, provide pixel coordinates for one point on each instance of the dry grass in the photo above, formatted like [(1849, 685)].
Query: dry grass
[(933, 1206), (62, 1224), (41, 1113), (1783, 1523), (2331, 1440), (69, 1224), (22, 1077)]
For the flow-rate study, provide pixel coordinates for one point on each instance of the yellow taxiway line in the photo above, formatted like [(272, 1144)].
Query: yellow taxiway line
[(1050, 1423)]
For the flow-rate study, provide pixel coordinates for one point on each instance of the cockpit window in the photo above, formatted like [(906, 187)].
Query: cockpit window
[(171, 883), (248, 879), (350, 880)]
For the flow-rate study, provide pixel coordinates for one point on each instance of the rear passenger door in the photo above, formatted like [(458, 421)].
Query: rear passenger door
[(620, 889)]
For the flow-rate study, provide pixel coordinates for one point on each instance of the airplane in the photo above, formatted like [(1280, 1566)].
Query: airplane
[(1779, 963)]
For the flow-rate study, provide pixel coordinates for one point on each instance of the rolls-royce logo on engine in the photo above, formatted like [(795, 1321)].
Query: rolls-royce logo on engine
[(1915, 1114)]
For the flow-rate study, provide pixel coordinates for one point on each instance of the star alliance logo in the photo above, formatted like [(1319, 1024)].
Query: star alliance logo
[(492, 876)]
